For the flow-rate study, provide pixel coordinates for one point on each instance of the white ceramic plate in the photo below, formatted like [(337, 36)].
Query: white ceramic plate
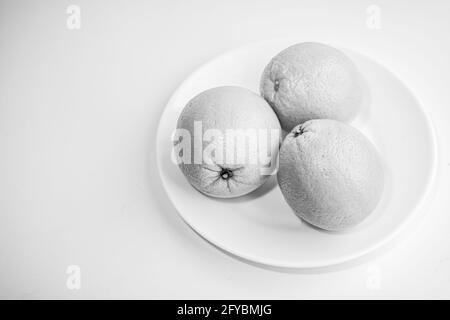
[(261, 227)]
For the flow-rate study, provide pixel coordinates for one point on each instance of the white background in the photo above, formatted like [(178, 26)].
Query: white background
[(79, 111)]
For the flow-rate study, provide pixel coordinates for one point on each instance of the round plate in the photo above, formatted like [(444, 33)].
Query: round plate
[(261, 227)]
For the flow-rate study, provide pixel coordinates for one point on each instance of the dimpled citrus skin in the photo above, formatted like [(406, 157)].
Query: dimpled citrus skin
[(311, 81), (330, 174), (225, 108)]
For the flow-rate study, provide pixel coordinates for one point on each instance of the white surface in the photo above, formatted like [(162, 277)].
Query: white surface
[(78, 117), (261, 227)]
